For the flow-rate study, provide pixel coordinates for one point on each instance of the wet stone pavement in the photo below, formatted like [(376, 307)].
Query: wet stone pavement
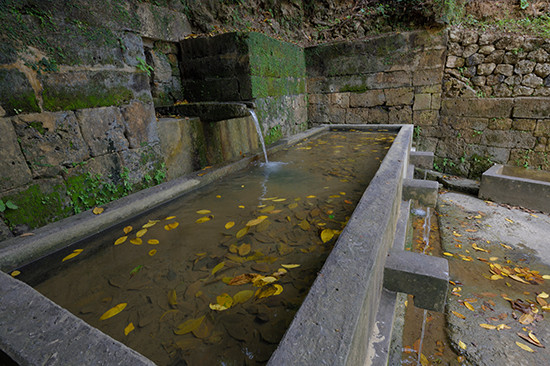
[(498, 309)]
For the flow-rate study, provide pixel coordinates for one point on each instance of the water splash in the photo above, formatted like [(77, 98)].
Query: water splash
[(258, 129)]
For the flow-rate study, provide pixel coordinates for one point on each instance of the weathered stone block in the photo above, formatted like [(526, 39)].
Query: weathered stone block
[(543, 128), (357, 115), (541, 92), (486, 69), (531, 108), (400, 115), (394, 79), (475, 59), (502, 91), (16, 92), (455, 34), (521, 90), (487, 49), (500, 123), (436, 101), (513, 80), (542, 70), (488, 38), (12, 162), (469, 37), (50, 142), (399, 96), (532, 81), (162, 23), (495, 79), (454, 62), (370, 98), (479, 80), (140, 124), (489, 108), (470, 50), (422, 102), (508, 139), (378, 115), (427, 77), (455, 49), (496, 57), (510, 42), (339, 99), (539, 55), (425, 118), (472, 123), (102, 129), (524, 67), (524, 124)]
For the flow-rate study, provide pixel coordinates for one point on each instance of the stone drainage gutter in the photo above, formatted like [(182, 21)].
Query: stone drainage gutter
[(341, 321)]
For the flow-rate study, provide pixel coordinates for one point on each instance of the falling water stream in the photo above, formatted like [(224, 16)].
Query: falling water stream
[(259, 130), (426, 238)]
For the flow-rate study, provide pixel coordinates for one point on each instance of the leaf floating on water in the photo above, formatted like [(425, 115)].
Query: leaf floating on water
[(130, 327), (279, 289), (134, 271), (524, 347), (204, 219), (293, 205), (242, 296), (479, 249), (462, 345), (290, 266), (284, 249), (149, 224), (304, 225), (152, 241), (204, 212), (519, 279), (127, 229), (242, 232), (241, 206), (244, 249), (72, 255), (326, 235), (172, 298), (267, 209), (136, 241), (189, 325), (543, 295), (218, 267), (526, 319), (98, 210), (113, 311), (266, 291), (448, 254), (423, 360), (229, 225), (171, 226), (15, 273), (233, 248), (279, 200), (311, 196), (468, 306), (140, 233), (121, 240), (170, 218), (242, 279), (257, 221), (152, 252)]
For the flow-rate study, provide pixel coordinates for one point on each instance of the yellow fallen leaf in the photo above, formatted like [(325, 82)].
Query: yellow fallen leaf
[(172, 298), (218, 196), (458, 314), (304, 225), (127, 229), (524, 347), (189, 325), (492, 259), (424, 360), (140, 233), (509, 220), (293, 205), (203, 219), (502, 326), (326, 235), (533, 215), (543, 295), (218, 267), (72, 255), (257, 221), (242, 296), (152, 252), (546, 277), (204, 212), (171, 226), (266, 291), (130, 327), (278, 288), (217, 307), (279, 200), (456, 234), (535, 339), (15, 273), (113, 311), (244, 249), (121, 240), (241, 206), (224, 300), (468, 306), (462, 345), (290, 266), (152, 241), (310, 196), (519, 279), (496, 277), (149, 224), (98, 210), (479, 249), (242, 232), (136, 241), (448, 254), (487, 326), (229, 225), (170, 218)]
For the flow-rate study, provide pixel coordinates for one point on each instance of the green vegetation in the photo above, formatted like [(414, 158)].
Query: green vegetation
[(143, 66), (274, 134)]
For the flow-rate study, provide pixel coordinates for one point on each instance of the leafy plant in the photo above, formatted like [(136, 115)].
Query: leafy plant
[(7, 205), (143, 66)]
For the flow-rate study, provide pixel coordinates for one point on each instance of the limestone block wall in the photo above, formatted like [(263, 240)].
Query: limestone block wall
[(249, 67), (76, 106), (393, 78), (495, 103)]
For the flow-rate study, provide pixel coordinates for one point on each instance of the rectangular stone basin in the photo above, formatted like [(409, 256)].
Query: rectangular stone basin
[(334, 325), (517, 186)]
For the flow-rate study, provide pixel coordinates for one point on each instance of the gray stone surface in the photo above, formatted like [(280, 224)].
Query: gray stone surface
[(424, 191), (12, 159), (102, 129), (424, 276), (140, 124), (422, 159), (207, 111), (36, 331)]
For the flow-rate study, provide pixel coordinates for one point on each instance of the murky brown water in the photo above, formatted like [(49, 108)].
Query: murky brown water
[(169, 277)]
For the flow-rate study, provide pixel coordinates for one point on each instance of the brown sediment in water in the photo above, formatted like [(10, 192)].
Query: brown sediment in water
[(170, 273)]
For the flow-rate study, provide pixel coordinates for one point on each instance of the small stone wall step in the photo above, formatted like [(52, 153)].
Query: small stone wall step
[(425, 191), (422, 159), (423, 276), (36, 331), (207, 111)]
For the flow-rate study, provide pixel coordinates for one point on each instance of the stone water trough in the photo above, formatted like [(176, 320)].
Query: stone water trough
[(346, 319), (516, 186)]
